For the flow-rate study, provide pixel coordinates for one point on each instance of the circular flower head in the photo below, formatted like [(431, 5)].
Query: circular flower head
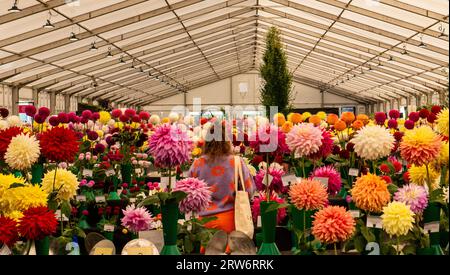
[(59, 144), (23, 151), (279, 119), (418, 174), (308, 195), (442, 122), (414, 116), (380, 118), (5, 138), (8, 231), (92, 135), (333, 224), (30, 110), (170, 146), (333, 176), (154, 119), (332, 118), (357, 124), (256, 206), (340, 125), (37, 223), (198, 195), (136, 219), (373, 142), (420, 145), (409, 124), (63, 118), (370, 193), (424, 113), (4, 112), (130, 113), (326, 148), (413, 195), (364, 118), (287, 126), (348, 117), (394, 114), (144, 115), (436, 109), (392, 123), (269, 139), (116, 113), (295, 118), (304, 139), (65, 181), (397, 218), (315, 120), (105, 117)]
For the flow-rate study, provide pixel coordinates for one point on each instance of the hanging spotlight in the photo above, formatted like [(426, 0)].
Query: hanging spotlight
[(73, 37), (370, 67), (14, 7), (109, 53), (121, 60), (48, 25), (142, 70), (391, 58), (379, 63), (422, 45), (93, 47), (442, 30), (404, 50)]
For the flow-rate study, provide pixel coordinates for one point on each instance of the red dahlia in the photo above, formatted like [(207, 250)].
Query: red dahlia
[(5, 138), (8, 231), (37, 223), (59, 144)]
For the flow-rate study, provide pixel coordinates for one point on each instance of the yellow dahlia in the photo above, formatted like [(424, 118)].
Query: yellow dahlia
[(104, 117), (306, 115), (23, 151), (397, 218), (370, 193), (7, 180), (279, 119), (15, 215), (420, 145), (442, 122), (418, 174), (66, 182), (322, 115), (23, 197), (443, 155)]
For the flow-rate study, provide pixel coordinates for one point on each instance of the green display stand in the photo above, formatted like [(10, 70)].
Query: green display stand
[(37, 172), (113, 196), (169, 213), (109, 235), (269, 223), (301, 220), (432, 214), (83, 224), (42, 246), (125, 170)]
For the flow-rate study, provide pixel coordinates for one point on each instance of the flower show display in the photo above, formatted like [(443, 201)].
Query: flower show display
[(339, 184)]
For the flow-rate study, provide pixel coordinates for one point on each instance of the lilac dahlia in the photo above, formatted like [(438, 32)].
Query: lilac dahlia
[(413, 195), (136, 219), (198, 195)]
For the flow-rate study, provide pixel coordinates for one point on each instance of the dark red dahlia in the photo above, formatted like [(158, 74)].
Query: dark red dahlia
[(424, 113), (414, 116), (30, 110), (4, 112), (144, 115), (8, 231), (435, 109), (398, 136), (37, 223), (59, 144), (326, 148)]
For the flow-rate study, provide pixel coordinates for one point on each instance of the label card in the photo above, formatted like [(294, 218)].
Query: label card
[(132, 200), (322, 180), (87, 173), (259, 223), (100, 199), (374, 222), (140, 250), (5, 250), (58, 216), (353, 172), (103, 251), (108, 228), (431, 227), (80, 198), (289, 179), (138, 171), (355, 213), (297, 155), (110, 172)]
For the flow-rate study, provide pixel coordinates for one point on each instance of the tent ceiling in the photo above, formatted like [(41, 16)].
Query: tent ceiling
[(368, 50)]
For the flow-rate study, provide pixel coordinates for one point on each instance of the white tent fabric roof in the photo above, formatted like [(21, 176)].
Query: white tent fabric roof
[(370, 50)]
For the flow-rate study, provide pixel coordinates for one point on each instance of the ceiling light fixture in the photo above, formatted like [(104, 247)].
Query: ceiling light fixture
[(121, 60), (109, 53), (73, 37), (422, 45), (404, 50), (48, 25), (391, 58), (14, 7), (93, 47), (442, 30)]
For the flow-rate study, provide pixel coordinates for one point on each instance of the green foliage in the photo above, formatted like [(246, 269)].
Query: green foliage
[(163, 198), (192, 234), (277, 90)]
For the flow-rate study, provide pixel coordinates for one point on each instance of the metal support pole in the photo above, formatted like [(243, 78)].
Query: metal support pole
[(15, 100)]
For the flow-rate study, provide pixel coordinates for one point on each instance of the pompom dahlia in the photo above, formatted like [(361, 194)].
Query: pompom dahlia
[(333, 224), (59, 144), (370, 193), (37, 223), (5, 138), (170, 146), (8, 231), (198, 196), (397, 218), (442, 122), (23, 151), (65, 181), (333, 176), (420, 145), (256, 206), (413, 195), (276, 185), (136, 219), (308, 195), (326, 148), (373, 142), (304, 139)]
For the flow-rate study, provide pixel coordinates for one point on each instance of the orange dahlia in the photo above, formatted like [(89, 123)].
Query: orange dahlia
[(279, 119), (333, 224), (340, 125), (357, 124), (348, 117), (315, 119), (370, 193), (362, 117), (287, 126), (295, 118), (420, 146), (308, 195), (332, 118)]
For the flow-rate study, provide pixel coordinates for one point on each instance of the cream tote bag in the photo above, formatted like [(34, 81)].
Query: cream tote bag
[(242, 211)]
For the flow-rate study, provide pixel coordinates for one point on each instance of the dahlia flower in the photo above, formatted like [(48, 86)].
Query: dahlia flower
[(5, 138), (333, 224), (59, 144), (442, 121), (295, 118), (7, 180), (276, 185), (326, 148), (308, 195), (37, 223), (418, 174), (373, 142), (370, 193), (14, 121), (333, 176), (23, 151), (397, 218), (304, 139), (445, 191), (65, 182), (8, 231), (136, 219), (443, 155), (420, 145), (256, 204), (22, 197), (269, 139), (413, 195), (198, 195), (3, 124), (105, 117), (170, 146)]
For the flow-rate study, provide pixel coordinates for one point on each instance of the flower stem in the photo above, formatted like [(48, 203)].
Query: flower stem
[(303, 168), (374, 167), (267, 178), (398, 245), (428, 178), (335, 249), (169, 187)]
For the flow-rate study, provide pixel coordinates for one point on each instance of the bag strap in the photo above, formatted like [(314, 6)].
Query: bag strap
[(238, 172)]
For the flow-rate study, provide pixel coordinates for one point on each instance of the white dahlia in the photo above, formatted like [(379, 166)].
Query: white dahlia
[(23, 151), (373, 142)]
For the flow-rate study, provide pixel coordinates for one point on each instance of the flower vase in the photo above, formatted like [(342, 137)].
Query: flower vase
[(37, 172), (125, 170), (432, 214), (42, 246), (298, 219), (269, 223), (113, 196), (169, 213), (109, 235)]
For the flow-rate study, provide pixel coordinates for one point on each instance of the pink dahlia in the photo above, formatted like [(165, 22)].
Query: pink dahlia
[(333, 224), (276, 185), (136, 218), (170, 146), (269, 139), (333, 176), (198, 195), (413, 195), (326, 148), (304, 139), (256, 211)]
